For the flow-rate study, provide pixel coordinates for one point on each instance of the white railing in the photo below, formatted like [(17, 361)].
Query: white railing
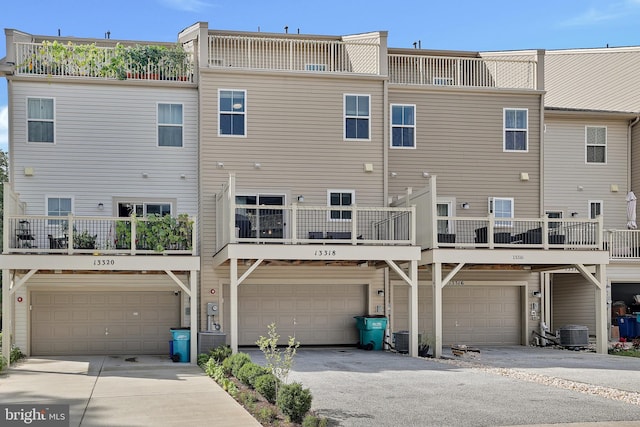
[(545, 233), (462, 72), (623, 244), (117, 62), (288, 54), (104, 235)]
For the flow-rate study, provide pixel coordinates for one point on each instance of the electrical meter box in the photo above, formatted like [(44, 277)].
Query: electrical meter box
[(212, 309)]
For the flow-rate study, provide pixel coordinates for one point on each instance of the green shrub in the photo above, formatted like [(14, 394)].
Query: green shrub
[(229, 386), (266, 386), (226, 365), (220, 353), (237, 360), (209, 367), (267, 415), (3, 363), (16, 354), (314, 421), (203, 359), (249, 372), (294, 401)]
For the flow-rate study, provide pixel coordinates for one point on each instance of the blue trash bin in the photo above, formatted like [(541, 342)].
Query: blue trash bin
[(181, 344), (627, 326)]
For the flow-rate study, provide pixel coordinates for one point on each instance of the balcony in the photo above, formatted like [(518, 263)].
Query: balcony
[(519, 233), (422, 70), (623, 244), (45, 235), (322, 55), (117, 62)]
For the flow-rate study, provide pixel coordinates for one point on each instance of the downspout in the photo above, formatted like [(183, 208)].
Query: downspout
[(632, 123)]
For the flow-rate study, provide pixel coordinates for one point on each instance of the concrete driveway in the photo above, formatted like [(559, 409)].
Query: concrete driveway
[(113, 391), (497, 387)]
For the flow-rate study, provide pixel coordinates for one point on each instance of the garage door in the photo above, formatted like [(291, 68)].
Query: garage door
[(83, 323), (472, 315), (315, 315)]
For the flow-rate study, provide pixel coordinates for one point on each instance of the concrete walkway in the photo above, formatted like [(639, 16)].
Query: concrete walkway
[(111, 391)]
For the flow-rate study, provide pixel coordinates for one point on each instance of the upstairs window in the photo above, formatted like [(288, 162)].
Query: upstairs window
[(596, 144), (170, 125), (40, 120), (516, 129), (403, 126), (356, 115), (501, 207), (142, 209), (59, 206), (232, 112), (340, 198), (595, 208)]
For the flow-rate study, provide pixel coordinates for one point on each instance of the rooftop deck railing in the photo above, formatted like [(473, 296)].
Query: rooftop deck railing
[(287, 54), (543, 233), (623, 244), (462, 72), (105, 235), (140, 62)]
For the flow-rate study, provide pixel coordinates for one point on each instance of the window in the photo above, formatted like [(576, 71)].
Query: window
[(595, 208), (142, 209), (356, 114), (40, 120), (553, 215), (255, 217), (596, 144), (444, 225), (403, 126), (515, 129), (340, 198), (501, 207), (59, 206), (170, 125), (232, 112)]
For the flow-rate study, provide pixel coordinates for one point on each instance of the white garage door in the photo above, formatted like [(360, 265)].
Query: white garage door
[(83, 323), (472, 315), (314, 314)]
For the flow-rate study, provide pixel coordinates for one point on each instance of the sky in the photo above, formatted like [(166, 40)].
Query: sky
[(470, 25)]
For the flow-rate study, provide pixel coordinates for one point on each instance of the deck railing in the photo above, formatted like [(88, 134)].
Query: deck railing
[(545, 233), (287, 54), (104, 235), (462, 72), (147, 62), (623, 244)]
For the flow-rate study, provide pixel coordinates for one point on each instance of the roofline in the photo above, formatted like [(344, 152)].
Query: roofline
[(575, 112)]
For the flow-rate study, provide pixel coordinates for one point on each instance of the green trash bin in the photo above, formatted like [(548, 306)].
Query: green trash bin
[(181, 344), (371, 330)]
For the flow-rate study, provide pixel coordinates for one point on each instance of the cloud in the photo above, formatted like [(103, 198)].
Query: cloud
[(186, 5), (612, 12), (4, 127)]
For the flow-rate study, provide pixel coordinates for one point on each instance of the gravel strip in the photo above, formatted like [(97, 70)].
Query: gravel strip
[(595, 390)]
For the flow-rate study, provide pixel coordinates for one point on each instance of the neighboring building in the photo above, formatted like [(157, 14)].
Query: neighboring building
[(331, 177), (88, 151), (591, 164)]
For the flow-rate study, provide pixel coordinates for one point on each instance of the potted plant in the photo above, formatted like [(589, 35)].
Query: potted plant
[(84, 240)]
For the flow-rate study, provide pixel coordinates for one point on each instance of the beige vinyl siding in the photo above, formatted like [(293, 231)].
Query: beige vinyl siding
[(572, 302), (566, 169), (459, 138), (295, 130), (20, 316), (598, 79), (105, 138)]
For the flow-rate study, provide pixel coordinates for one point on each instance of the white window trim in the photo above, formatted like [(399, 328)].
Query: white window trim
[(451, 201), (491, 209), (345, 117), (605, 145), (55, 128), (590, 202), (158, 124), (391, 125), (353, 202), (144, 201), (504, 130), (57, 196), (245, 113)]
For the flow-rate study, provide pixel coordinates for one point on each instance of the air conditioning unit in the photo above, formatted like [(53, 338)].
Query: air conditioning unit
[(574, 336), (210, 340)]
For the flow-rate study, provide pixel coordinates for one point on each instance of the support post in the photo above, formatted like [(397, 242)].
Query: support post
[(233, 296), (436, 273), (602, 337), (413, 308), (7, 315), (193, 282)]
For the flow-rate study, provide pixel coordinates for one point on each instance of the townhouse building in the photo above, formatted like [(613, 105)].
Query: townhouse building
[(327, 176)]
